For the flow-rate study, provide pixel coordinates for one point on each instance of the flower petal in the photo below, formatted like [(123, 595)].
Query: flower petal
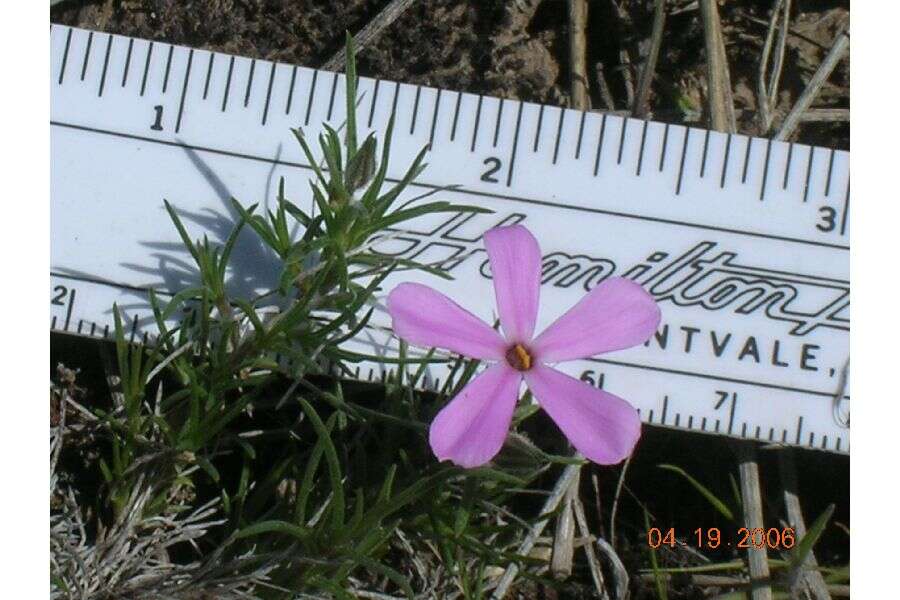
[(601, 426), (425, 317), (471, 429), (516, 269), (616, 314)]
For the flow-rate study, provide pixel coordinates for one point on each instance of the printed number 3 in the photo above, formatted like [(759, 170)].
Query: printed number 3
[(495, 165), (828, 215)]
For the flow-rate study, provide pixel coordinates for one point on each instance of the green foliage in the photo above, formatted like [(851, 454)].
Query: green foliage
[(237, 403)]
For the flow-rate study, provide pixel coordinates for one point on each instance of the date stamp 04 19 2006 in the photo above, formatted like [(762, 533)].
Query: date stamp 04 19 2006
[(773, 538)]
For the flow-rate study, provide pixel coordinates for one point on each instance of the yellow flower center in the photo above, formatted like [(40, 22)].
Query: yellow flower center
[(518, 358)]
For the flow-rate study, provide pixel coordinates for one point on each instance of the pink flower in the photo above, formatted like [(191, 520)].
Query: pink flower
[(470, 430)]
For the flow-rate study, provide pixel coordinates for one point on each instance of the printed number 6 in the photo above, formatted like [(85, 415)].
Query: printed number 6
[(828, 219), (495, 165)]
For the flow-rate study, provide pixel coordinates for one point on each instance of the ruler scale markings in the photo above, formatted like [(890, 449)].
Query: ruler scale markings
[(746, 160), (799, 428), (684, 147), (93, 329), (809, 164), (477, 120), (771, 434), (765, 175), (641, 151), (109, 40), (80, 325), (415, 114), (269, 93), (69, 308), (497, 124), (168, 68), (515, 145), (127, 61), (690, 423), (334, 81), (187, 76), (599, 144), (662, 152), (580, 135), (374, 100), (455, 116), (705, 148), (65, 58), (725, 161), (147, 68), (290, 98), (309, 102), (394, 101), (537, 131), (828, 177), (209, 69), (562, 117), (249, 82), (227, 84), (87, 54), (434, 116), (743, 232), (554, 194), (622, 140), (812, 436), (731, 413)]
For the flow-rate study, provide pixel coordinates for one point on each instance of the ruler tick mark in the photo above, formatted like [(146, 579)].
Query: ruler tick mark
[(562, 117), (497, 124), (746, 160), (744, 430), (731, 412), (665, 408), (127, 62), (93, 329), (168, 68), (580, 135), (394, 101), (269, 93), (537, 131), (187, 75), (477, 120), (290, 98), (209, 67), (650, 416), (80, 325), (434, 116), (600, 144), (109, 40), (765, 175), (622, 140), (249, 83), (87, 54), (69, 309), (787, 166), (846, 208), (809, 164), (812, 436), (641, 150), (412, 123), (662, 152), (309, 103), (227, 84), (334, 81), (690, 422), (725, 161), (146, 68), (65, 58), (799, 428), (705, 148), (374, 99), (824, 444), (455, 116), (512, 157), (684, 147), (828, 177)]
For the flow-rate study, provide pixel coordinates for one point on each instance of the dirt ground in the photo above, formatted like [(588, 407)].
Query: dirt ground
[(511, 48)]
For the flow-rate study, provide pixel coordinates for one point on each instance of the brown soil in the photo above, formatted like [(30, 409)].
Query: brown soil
[(515, 48)]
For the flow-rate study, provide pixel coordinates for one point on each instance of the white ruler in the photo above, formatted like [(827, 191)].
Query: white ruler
[(743, 241)]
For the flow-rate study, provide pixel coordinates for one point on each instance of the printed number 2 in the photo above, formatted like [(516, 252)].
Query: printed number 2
[(157, 123), (61, 292), (827, 223), (495, 165)]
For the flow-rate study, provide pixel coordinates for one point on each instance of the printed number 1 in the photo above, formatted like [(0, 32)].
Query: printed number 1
[(157, 123)]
